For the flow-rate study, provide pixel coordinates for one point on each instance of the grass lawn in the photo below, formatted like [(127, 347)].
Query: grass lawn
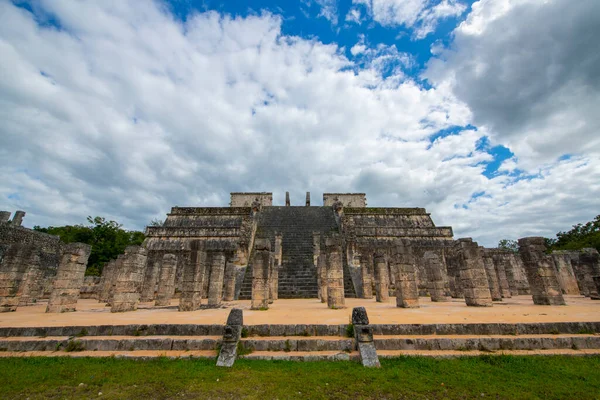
[(411, 378)]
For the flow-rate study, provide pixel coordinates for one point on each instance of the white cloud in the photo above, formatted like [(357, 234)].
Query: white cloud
[(354, 15), (327, 9), (125, 111), (422, 16)]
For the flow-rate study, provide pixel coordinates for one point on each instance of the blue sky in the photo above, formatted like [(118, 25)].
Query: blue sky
[(471, 109)]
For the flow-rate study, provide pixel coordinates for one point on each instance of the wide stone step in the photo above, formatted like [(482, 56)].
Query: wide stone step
[(302, 356), (487, 343), (109, 343), (134, 355), (299, 343)]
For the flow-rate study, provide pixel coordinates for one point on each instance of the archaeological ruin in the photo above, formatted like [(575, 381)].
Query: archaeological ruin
[(253, 256)]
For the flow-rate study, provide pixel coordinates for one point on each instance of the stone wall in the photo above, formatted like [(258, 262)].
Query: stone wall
[(245, 199), (348, 199)]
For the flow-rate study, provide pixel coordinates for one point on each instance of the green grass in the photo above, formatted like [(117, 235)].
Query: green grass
[(491, 377)]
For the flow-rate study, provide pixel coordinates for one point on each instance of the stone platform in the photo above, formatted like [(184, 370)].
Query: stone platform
[(518, 309)]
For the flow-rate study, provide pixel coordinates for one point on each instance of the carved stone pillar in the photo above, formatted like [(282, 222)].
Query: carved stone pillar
[(492, 277), (69, 278), (434, 265), (322, 271), (382, 279), (13, 267), (335, 273), (4, 217), (18, 218), (589, 261), (366, 266), (472, 274), (261, 260), (151, 276), (403, 265), (541, 274), (107, 281), (217, 273), (564, 272), (166, 282), (130, 277), (193, 276)]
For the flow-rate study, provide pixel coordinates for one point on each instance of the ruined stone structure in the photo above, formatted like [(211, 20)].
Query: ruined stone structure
[(473, 278), (69, 278), (492, 275), (129, 279), (565, 273), (403, 265), (541, 272), (166, 283), (261, 264), (589, 263)]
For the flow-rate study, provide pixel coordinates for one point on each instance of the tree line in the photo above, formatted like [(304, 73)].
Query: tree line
[(578, 237), (107, 239)]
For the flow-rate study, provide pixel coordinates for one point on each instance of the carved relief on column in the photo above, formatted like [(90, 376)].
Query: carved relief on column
[(130, 277), (434, 265), (403, 266), (261, 260), (541, 274), (151, 276)]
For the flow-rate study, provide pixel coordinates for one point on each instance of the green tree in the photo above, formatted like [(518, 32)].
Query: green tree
[(107, 239), (508, 244), (579, 237)]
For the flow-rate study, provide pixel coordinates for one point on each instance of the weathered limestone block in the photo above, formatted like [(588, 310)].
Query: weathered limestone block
[(472, 274), (18, 218), (335, 272), (261, 262), (579, 273), (32, 284), (231, 336), (589, 261), (541, 274), (382, 278), (69, 278), (107, 281), (492, 277), (403, 265), (89, 289), (564, 272), (130, 277), (307, 199), (150, 278), (366, 260), (434, 267), (166, 283), (273, 280), (13, 268), (500, 265), (453, 267), (596, 280), (194, 273), (229, 281), (4, 217), (363, 333), (322, 274), (217, 274)]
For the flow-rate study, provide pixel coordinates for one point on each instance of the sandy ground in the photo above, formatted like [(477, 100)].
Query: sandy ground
[(312, 311)]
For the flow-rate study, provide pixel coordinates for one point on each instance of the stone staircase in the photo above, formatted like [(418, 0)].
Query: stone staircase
[(297, 276), (303, 342)]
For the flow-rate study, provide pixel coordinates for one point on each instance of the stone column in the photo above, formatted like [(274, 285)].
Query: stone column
[(335, 272), (106, 281), (382, 279), (322, 271), (453, 267), (365, 261), (193, 276), (579, 273), (150, 277), (69, 278), (231, 337), (500, 267), (589, 262), (564, 272), (129, 279), (403, 265), (541, 274), (166, 282), (217, 273), (13, 267), (18, 218), (473, 278), (273, 280), (307, 199), (229, 281), (261, 259), (492, 277), (287, 199), (363, 334), (32, 283), (4, 217), (278, 251), (434, 265), (596, 280)]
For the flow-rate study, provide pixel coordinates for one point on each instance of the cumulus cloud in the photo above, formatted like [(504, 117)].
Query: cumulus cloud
[(117, 108), (421, 16), (530, 72)]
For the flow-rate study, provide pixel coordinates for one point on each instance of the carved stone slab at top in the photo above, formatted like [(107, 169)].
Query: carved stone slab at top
[(363, 334)]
